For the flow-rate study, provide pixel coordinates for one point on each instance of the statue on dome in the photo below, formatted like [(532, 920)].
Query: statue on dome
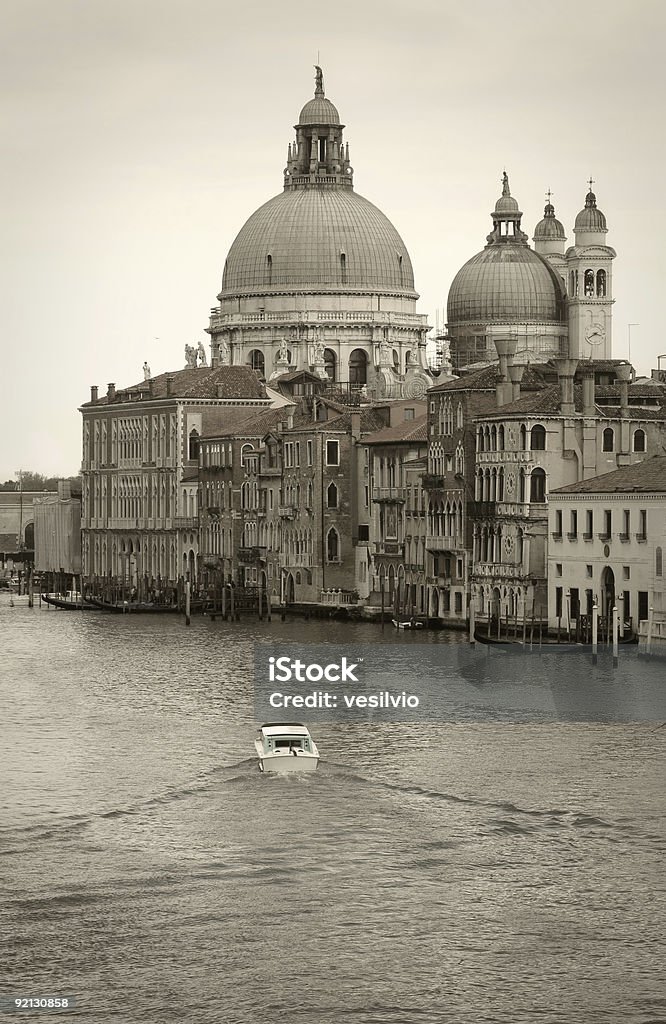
[(146, 371), (190, 357), (319, 80), (201, 352), (505, 184), (223, 351)]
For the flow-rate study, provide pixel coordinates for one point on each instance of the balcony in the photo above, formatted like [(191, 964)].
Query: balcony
[(388, 494), (604, 537), (588, 536), (641, 538), (572, 536), (557, 536), (251, 556), (481, 509), (186, 523), (432, 481), (389, 547), (444, 542), (624, 537), (270, 471), (287, 511)]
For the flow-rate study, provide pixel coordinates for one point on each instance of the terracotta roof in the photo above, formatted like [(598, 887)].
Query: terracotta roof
[(486, 378), (251, 423), (230, 382), (409, 430), (643, 477)]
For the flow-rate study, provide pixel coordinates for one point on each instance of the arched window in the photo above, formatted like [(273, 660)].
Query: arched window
[(330, 363), (245, 450), (572, 283), (608, 444), (193, 452), (658, 562), (257, 361), (343, 267), (589, 282), (333, 545), (639, 440), (523, 437), (538, 485), (269, 269), (396, 360), (601, 284), (332, 496), (358, 367), (500, 438), (538, 438)]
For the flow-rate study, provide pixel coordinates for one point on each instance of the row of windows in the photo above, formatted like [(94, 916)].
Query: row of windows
[(492, 439), (592, 285), (606, 531)]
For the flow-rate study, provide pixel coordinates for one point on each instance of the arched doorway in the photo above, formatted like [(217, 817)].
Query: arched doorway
[(607, 592), (289, 589), (330, 363), (495, 605), (358, 367), (29, 537)]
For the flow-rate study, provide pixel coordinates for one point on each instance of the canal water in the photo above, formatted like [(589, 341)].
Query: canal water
[(461, 871)]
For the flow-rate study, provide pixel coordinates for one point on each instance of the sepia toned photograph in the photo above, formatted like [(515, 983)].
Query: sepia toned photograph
[(332, 513)]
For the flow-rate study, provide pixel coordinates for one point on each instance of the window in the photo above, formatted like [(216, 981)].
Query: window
[(194, 444), (538, 486), (409, 414), (658, 562), (333, 545), (626, 524), (639, 440), (332, 453), (332, 496), (558, 568), (257, 361), (575, 603), (589, 524), (558, 602), (642, 605), (573, 533), (309, 452), (642, 525), (363, 532), (366, 495), (608, 525), (538, 438), (557, 532), (601, 284), (626, 572), (608, 444), (588, 571)]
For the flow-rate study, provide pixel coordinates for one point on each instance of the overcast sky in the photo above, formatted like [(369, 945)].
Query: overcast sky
[(138, 136)]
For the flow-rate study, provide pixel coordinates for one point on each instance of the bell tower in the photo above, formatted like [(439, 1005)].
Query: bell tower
[(589, 283)]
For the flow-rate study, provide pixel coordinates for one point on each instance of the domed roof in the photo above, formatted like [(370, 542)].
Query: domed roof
[(589, 218), (506, 203), (318, 239), (550, 226), (319, 110), (505, 283)]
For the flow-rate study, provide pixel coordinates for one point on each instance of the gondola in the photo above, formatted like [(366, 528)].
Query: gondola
[(127, 607), (534, 640), (68, 606)]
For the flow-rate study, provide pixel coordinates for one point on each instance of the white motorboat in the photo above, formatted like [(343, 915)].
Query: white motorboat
[(286, 747)]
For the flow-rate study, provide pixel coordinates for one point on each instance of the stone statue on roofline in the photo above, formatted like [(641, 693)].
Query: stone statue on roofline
[(223, 353), (190, 357), (201, 352), (146, 371)]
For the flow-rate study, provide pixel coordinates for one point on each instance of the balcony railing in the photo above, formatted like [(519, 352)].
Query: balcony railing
[(186, 523), (338, 597), (388, 494), (431, 481), (444, 542), (481, 509), (287, 511), (252, 555)]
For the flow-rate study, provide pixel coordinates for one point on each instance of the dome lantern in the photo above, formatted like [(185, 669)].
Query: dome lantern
[(549, 236), (590, 224), (506, 218), (318, 156)]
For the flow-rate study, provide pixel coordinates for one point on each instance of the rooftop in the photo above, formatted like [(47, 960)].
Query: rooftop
[(648, 476), (415, 431), (225, 382)]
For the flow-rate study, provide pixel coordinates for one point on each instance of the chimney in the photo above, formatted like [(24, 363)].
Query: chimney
[(623, 376), (588, 391), (151, 387), (506, 349), (356, 424), (566, 369), (290, 418), (220, 390), (111, 393), (94, 391), (169, 386), (516, 372)]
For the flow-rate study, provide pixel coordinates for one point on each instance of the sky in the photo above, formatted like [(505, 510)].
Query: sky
[(138, 137)]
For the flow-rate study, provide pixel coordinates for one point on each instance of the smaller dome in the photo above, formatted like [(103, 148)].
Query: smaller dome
[(550, 226), (319, 110), (506, 204), (590, 218)]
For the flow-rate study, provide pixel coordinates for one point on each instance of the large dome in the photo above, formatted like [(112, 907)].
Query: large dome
[(318, 239), (505, 283)]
